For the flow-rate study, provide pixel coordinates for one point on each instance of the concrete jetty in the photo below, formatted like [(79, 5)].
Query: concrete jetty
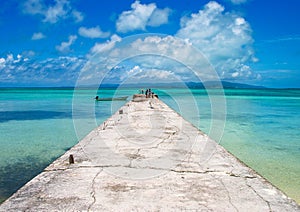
[(146, 157)]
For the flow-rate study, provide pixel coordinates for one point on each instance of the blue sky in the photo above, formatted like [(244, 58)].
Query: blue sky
[(50, 42)]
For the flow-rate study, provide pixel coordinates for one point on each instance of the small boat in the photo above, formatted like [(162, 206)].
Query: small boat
[(122, 98)]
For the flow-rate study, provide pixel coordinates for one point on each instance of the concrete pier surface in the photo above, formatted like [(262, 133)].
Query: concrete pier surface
[(147, 157)]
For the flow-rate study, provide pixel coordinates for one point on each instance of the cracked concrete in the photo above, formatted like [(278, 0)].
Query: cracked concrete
[(93, 192), (148, 158)]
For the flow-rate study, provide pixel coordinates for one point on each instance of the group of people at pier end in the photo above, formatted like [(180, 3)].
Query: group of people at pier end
[(148, 93)]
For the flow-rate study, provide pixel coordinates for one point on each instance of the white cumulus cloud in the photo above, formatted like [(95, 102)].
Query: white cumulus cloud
[(52, 13), (108, 45), (93, 32), (57, 11), (140, 16), (159, 17), (64, 47), (224, 37), (146, 58), (78, 16), (2, 63), (139, 74), (37, 36)]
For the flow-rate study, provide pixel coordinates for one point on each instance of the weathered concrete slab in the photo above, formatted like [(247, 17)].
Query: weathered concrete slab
[(147, 157)]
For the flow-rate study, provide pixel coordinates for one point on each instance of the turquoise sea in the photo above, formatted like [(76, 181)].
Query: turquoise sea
[(261, 128)]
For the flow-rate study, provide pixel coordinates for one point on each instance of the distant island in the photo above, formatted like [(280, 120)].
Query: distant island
[(225, 84), (195, 85)]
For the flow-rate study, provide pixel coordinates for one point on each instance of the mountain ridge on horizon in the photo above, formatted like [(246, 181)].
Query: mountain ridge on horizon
[(199, 85)]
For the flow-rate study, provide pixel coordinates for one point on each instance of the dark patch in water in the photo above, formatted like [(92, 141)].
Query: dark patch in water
[(32, 115), (66, 149), (2, 199), (279, 148), (13, 176)]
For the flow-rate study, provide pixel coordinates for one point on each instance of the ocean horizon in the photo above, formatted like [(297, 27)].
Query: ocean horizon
[(261, 127)]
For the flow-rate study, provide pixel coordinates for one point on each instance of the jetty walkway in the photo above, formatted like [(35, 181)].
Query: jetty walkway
[(147, 157)]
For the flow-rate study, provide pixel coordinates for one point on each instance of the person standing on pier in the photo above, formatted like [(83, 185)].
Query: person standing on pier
[(146, 93)]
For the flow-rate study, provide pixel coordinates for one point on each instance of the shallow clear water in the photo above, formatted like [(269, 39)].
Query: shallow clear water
[(261, 128)]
